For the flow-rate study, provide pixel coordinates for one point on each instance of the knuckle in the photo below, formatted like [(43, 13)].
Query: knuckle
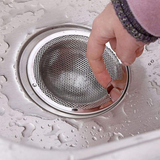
[(127, 60)]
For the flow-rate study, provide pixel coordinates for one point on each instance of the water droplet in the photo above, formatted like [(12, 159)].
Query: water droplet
[(156, 118), (150, 102), (94, 138), (54, 130), (3, 79), (92, 133), (24, 118), (73, 145), (156, 86), (28, 129), (51, 148), (128, 121), (102, 122), (11, 124), (75, 123), (100, 130), (87, 142), (152, 61), (1, 59), (120, 112), (2, 111), (36, 121), (115, 137), (101, 136), (94, 127), (135, 111), (149, 64), (62, 138)]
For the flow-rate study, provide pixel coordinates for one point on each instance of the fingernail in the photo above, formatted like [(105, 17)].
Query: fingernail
[(109, 84), (115, 95), (109, 87)]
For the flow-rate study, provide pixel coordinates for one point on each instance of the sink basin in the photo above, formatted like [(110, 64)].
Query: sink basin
[(129, 130)]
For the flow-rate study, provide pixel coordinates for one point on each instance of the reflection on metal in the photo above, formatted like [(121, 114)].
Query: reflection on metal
[(55, 73)]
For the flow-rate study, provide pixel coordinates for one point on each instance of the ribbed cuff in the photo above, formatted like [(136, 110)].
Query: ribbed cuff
[(130, 23)]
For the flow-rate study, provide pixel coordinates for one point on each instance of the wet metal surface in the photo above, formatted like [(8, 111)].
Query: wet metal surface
[(25, 122)]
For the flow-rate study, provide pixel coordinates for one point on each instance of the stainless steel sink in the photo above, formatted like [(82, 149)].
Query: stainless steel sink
[(129, 131)]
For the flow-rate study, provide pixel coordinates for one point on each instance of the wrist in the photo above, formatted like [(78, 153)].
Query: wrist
[(130, 23)]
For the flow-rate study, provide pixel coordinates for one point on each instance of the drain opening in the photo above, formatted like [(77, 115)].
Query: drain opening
[(60, 75)]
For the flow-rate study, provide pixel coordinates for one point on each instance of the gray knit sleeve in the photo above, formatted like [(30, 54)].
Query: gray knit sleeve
[(130, 23)]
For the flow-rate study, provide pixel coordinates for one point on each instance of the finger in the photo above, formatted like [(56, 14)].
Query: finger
[(126, 51), (113, 43), (139, 51), (95, 49), (115, 94), (120, 84), (94, 55)]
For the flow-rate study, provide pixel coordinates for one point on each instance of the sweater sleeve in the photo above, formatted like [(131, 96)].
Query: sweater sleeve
[(141, 18)]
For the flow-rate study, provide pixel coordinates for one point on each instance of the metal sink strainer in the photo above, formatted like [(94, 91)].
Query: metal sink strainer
[(58, 73)]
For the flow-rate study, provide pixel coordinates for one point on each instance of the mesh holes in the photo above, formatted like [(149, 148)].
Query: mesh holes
[(63, 74)]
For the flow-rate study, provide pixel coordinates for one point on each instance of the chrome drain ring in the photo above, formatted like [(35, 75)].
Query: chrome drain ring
[(33, 57)]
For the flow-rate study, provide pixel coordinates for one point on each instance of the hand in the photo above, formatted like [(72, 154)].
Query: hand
[(107, 28)]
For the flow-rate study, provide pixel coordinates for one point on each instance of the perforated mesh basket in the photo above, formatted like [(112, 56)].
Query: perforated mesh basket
[(63, 74)]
